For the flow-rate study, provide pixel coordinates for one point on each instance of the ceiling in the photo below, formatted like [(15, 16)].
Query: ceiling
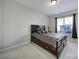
[(46, 7)]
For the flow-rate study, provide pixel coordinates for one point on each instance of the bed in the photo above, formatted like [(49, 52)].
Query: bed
[(53, 42)]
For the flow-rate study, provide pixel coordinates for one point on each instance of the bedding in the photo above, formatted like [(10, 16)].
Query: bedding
[(50, 38), (56, 36)]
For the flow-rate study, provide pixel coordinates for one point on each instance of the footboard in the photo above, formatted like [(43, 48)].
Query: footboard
[(60, 47)]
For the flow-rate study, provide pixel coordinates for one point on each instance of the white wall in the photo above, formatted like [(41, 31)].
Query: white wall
[(0, 24), (16, 23), (51, 24)]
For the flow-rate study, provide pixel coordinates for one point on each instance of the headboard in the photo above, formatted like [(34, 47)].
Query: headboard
[(34, 28)]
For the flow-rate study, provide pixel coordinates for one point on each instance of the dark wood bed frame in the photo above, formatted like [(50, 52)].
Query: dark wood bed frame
[(56, 51)]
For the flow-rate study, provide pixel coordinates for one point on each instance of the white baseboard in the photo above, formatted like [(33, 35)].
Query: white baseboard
[(13, 46)]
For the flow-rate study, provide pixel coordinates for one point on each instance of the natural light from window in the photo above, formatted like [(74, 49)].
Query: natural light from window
[(64, 25)]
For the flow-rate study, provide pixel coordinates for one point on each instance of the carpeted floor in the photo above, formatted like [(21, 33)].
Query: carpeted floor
[(33, 51)]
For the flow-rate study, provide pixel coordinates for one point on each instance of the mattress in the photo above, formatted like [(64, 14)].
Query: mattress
[(47, 38)]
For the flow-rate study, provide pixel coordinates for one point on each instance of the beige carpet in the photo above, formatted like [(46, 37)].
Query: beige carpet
[(33, 51)]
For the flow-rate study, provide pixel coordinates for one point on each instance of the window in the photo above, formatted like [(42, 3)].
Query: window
[(64, 25)]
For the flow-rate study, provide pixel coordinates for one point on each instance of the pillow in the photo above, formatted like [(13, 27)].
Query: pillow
[(39, 30), (46, 29), (44, 32), (42, 29)]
